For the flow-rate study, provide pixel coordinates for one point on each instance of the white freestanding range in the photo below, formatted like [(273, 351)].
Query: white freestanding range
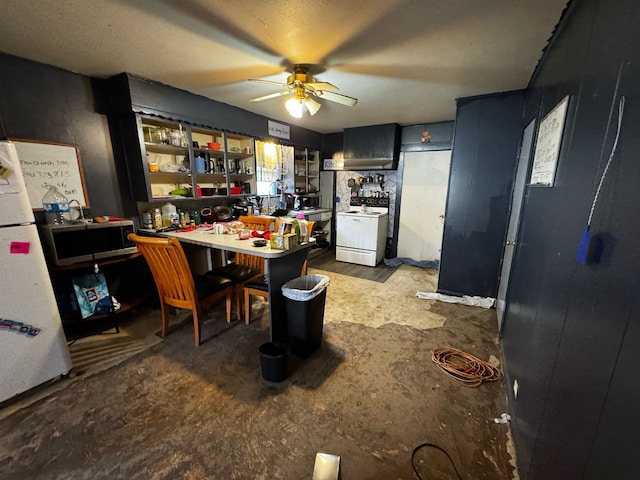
[(361, 235), (33, 348)]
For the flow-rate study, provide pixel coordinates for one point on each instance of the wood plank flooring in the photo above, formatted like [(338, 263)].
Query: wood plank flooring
[(325, 259)]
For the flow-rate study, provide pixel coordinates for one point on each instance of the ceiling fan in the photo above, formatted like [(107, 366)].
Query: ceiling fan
[(303, 86)]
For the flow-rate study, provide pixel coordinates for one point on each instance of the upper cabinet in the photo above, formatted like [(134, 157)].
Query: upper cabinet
[(180, 161), (306, 170), (375, 147)]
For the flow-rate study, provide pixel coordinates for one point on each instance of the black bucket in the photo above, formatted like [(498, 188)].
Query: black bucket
[(273, 361)]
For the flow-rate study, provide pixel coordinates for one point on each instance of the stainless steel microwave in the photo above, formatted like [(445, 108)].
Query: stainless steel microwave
[(310, 201), (82, 242)]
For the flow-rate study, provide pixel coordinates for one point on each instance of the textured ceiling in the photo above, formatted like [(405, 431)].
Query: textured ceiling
[(405, 60)]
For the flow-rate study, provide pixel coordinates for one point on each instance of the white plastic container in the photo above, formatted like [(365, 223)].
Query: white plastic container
[(304, 227), (56, 207), (169, 214)]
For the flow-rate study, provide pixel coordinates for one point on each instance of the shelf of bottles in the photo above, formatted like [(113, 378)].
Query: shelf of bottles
[(224, 164), (190, 162)]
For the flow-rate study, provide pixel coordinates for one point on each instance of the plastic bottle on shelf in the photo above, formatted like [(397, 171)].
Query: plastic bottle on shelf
[(56, 207), (169, 215)]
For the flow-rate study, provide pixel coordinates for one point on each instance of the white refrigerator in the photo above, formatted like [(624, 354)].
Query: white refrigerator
[(33, 348)]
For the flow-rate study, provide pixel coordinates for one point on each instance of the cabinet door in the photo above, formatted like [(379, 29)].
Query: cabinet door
[(167, 154)]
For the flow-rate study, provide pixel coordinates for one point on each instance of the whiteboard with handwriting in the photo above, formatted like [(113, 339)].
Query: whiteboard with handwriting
[(548, 143), (45, 164)]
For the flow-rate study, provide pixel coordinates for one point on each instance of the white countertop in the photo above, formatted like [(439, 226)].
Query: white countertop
[(229, 242)]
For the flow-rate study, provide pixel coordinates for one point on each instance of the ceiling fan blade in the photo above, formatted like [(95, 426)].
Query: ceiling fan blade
[(337, 97), (269, 82), (321, 86), (271, 95)]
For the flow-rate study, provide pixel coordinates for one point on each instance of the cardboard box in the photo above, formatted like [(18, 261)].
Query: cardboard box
[(277, 241), (290, 241), (283, 242)]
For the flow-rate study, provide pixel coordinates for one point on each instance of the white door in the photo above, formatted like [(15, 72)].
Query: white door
[(514, 220), (425, 181)]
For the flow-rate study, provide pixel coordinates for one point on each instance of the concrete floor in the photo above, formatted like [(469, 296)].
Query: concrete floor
[(370, 394)]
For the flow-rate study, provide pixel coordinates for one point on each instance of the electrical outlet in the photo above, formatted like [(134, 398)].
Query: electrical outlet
[(515, 389)]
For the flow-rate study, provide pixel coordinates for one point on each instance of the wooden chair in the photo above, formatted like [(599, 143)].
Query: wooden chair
[(244, 268), (256, 223), (260, 288), (176, 285)]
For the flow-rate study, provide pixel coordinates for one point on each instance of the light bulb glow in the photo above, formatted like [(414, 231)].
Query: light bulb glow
[(294, 107)]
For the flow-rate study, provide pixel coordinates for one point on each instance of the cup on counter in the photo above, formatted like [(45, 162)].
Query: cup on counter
[(244, 234), (218, 229)]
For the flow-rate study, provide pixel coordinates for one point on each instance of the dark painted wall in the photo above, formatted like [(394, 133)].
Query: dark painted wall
[(39, 102), (486, 140), (572, 332), (132, 93)]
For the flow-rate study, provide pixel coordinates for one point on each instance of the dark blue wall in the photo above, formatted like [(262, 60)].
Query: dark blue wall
[(39, 102), (572, 332)]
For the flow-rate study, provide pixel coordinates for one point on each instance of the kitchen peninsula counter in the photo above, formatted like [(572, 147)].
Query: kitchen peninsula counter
[(281, 266)]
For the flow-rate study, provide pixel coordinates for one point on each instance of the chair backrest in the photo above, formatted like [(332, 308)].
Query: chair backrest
[(170, 269), (251, 261), (256, 223)]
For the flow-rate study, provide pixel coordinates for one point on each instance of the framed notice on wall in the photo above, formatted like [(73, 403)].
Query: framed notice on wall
[(548, 145), (45, 164)]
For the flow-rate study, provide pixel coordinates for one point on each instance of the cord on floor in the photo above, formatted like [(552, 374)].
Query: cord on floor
[(432, 445)]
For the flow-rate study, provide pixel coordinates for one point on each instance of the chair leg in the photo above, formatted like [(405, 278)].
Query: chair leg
[(247, 307), (196, 326), (227, 304), (238, 295), (165, 318)]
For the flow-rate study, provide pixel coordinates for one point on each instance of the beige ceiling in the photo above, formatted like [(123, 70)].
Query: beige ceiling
[(405, 60)]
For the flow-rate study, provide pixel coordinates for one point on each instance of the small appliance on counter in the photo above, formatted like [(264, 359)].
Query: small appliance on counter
[(240, 208), (308, 201), (69, 244)]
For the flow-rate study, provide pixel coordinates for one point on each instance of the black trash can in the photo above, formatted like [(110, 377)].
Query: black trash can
[(305, 299), (273, 361)]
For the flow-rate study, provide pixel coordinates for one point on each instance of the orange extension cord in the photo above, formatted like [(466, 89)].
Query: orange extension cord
[(464, 367)]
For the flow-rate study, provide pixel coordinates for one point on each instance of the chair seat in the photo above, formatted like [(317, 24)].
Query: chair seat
[(176, 284), (235, 272), (258, 283), (207, 285)]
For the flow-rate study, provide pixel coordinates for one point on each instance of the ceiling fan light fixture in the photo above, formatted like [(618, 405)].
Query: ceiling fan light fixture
[(311, 105), (294, 107)]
